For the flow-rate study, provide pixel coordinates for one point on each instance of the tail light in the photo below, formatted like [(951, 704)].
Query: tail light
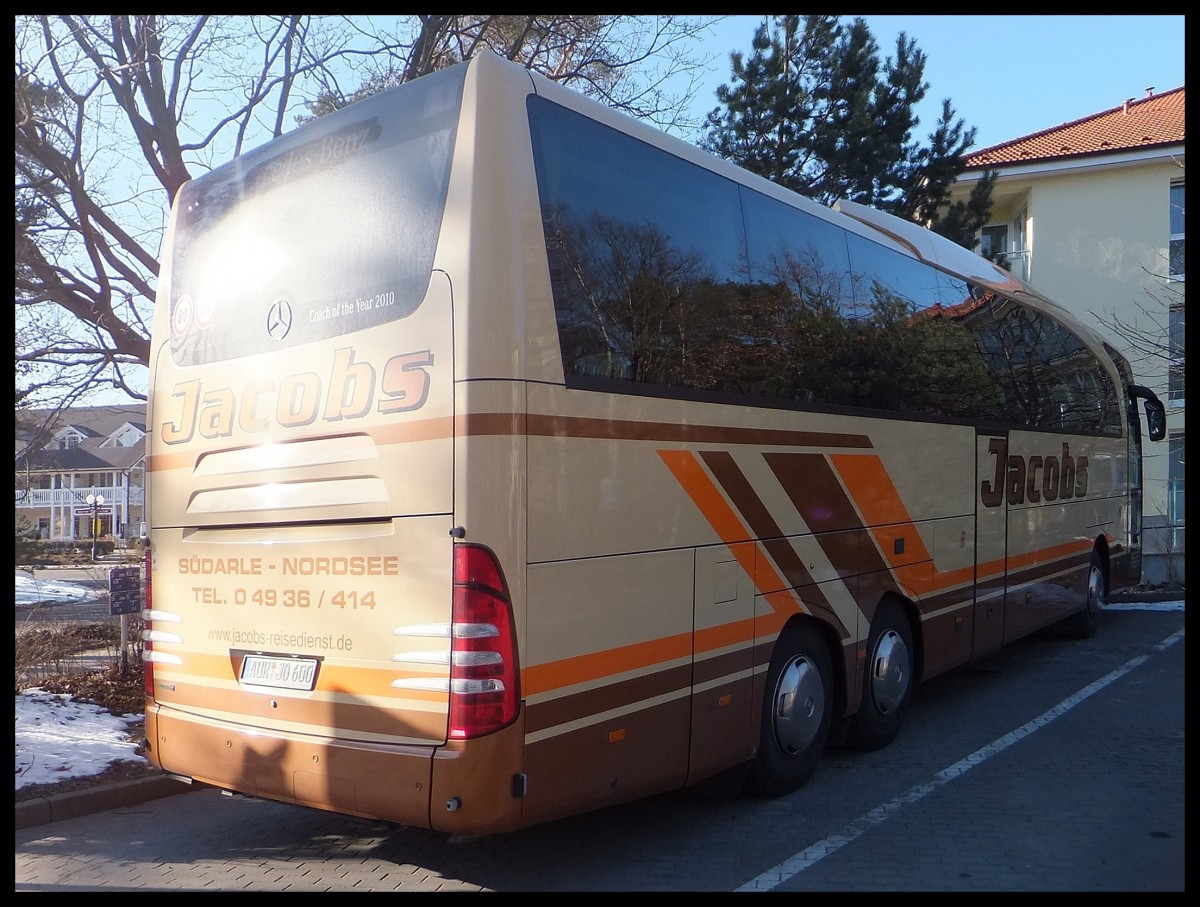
[(484, 676), (147, 629)]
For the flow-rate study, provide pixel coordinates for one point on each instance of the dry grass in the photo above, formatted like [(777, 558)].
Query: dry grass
[(62, 658)]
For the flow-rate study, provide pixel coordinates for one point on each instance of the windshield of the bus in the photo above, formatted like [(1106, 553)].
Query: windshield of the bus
[(329, 229)]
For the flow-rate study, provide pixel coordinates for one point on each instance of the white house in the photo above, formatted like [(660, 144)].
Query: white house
[(82, 464)]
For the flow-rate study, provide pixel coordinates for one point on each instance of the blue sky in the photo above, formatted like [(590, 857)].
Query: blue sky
[(1006, 75), (1013, 75)]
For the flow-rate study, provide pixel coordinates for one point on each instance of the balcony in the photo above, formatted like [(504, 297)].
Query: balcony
[(1016, 263), (77, 497)]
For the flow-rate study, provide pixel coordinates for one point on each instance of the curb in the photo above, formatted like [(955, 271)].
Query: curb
[(58, 807), (1149, 597)]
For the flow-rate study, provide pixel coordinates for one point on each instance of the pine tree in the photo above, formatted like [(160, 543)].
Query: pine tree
[(814, 108)]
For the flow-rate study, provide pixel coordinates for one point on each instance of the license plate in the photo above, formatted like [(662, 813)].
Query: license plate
[(282, 673)]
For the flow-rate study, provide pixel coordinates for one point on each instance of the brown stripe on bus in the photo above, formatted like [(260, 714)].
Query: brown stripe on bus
[(762, 525), (813, 487), (632, 430), (607, 696)]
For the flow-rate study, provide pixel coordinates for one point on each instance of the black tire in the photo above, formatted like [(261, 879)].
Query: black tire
[(1084, 623), (796, 715), (887, 679)]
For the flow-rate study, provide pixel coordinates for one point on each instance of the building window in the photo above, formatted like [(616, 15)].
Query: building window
[(1175, 509), (1005, 245), (993, 242), (1176, 250), (1175, 336)]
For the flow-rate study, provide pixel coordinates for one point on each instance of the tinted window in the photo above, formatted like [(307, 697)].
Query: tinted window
[(644, 251), (909, 353), (1048, 377), (664, 273), (794, 308), (332, 227)]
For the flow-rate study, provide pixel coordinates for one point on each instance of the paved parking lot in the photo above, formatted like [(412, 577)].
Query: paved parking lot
[(1056, 765)]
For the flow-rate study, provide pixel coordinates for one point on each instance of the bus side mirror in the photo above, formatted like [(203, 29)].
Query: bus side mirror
[(1156, 414), (1156, 420)]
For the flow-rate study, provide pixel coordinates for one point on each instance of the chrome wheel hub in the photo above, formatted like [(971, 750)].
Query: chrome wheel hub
[(1095, 592), (799, 705), (891, 670)]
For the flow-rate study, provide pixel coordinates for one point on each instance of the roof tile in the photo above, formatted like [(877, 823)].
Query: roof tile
[(1138, 123)]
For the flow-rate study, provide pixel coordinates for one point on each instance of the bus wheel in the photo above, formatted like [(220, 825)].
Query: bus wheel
[(1084, 622), (797, 711), (887, 679)]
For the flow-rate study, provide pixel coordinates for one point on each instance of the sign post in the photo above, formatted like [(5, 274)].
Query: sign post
[(124, 598), (95, 502)]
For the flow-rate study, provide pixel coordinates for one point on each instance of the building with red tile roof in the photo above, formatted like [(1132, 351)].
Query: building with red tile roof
[(1153, 122), (1091, 213)]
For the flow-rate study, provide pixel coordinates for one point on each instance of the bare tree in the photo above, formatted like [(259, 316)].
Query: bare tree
[(643, 65), (1152, 346), (115, 113)]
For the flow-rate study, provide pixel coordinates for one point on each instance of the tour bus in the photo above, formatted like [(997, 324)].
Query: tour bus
[(510, 459)]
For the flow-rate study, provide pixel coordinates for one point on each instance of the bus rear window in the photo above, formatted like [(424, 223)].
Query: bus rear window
[(327, 230)]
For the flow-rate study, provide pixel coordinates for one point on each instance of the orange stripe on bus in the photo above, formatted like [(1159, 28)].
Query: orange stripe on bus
[(691, 476), (874, 494), (720, 637), (1054, 552), (887, 519), (729, 527), (884, 512), (695, 481), (567, 672), (330, 678), (594, 665)]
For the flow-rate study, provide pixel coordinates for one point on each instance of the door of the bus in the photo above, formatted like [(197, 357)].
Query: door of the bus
[(723, 722), (991, 540)]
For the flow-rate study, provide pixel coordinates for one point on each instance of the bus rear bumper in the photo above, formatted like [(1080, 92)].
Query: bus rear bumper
[(372, 780), (435, 787)]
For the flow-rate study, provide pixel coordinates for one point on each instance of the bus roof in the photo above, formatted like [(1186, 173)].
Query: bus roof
[(934, 249)]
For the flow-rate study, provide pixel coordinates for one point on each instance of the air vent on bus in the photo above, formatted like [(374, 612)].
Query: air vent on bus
[(288, 455), (290, 495)]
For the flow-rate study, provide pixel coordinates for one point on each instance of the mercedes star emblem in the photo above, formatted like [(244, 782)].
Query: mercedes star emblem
[(279, 319)]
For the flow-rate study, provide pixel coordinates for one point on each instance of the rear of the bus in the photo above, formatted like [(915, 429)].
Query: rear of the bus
[(317, 630)]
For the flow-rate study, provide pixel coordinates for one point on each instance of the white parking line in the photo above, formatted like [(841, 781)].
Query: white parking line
[(801, 861)]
